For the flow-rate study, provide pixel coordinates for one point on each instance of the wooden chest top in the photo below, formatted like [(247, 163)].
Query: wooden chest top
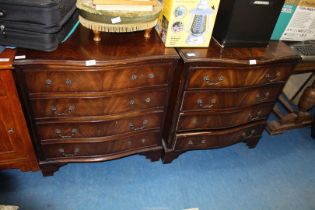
[(114, 48), (275, 52)]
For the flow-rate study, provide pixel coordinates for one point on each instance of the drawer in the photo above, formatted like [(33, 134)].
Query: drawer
[(223, 119), (126, 145), (41, 81), (218, 99), (2, 87), (72, 130), (238, 77), (213, 139), (97, 106)]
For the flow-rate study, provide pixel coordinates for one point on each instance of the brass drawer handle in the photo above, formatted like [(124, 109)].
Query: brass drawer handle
[(49, 82), (251, 116), (134, 128), (11, 131), (143, 141), (272, 78), (133, 77), (2, 31), (210, 105), (69, 111), (250, 134), (68, 82), (151, 76), (74, 131), (202, 142), (262, 97), (213, 82), (132, 101), (69, 155), (148, 100)]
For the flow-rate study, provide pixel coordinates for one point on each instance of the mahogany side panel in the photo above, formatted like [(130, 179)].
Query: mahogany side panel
[(16, 149)]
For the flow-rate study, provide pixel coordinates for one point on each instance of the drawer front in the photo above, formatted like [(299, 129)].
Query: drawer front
[(215, 139), (61, 131), (74, 150), (236, 77), (219, 120), (2, 88), (40, 81), (100, 106), (213, 99)]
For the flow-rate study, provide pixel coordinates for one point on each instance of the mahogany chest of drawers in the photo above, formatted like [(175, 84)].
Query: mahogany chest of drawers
[(224, 96), (16, 148), (94, 102)]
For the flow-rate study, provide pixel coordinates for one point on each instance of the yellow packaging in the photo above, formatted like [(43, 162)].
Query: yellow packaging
[(187, 23)]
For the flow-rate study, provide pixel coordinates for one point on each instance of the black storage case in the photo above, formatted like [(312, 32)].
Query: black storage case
[(36, 24), (246, 23)]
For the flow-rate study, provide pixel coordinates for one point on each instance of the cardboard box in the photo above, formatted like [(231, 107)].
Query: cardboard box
[(296, 21), (187, 23)]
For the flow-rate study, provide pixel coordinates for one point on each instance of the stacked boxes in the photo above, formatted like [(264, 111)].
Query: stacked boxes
[(187, 23), (296, 21)]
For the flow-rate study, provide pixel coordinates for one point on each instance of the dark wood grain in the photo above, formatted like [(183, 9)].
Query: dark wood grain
[(16, 149), (304, 67), (64, 107), (111, 109), (80, 129), (114, 49), (75, 79), (275, 52), (74, 149), (294, 117), (223, 119), (218, 99), (213, 139), (238, 77), (225, 88)]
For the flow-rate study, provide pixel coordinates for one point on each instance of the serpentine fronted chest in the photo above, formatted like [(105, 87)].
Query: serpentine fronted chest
[(225, 96), (94, 102)]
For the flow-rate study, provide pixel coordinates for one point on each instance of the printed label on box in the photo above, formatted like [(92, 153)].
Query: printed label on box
[(185, 23), (296, 21), (301, 26)]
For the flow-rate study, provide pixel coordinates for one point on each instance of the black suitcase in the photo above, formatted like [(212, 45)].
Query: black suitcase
[(36, 24)]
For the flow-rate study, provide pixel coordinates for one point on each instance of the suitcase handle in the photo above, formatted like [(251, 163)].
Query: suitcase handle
[(2, 13), (2, 31)]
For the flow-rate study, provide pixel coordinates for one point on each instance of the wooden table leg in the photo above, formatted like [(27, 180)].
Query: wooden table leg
[(147, 33), (294, 118), (97, 36)]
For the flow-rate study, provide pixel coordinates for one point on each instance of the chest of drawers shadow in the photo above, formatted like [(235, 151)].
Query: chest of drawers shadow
[(224, 96), (92, 102)]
